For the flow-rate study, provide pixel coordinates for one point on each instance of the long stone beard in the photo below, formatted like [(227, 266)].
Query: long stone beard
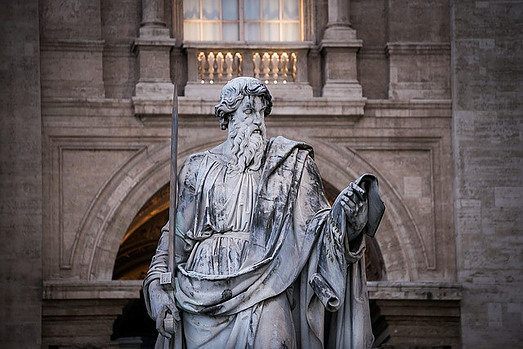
[(247, 148)]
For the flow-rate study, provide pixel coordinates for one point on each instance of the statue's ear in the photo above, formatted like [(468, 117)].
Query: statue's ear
[(224, 122)]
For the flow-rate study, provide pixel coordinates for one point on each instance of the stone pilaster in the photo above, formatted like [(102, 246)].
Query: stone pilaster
[(338, 48), (153, 47)]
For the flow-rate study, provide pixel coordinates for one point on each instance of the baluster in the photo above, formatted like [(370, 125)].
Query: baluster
[(239, 64), (256, 61), (284, 66), (294, 59), (219, 66), (201, 66), (211, 60), (266, 61), (228, 65), (275, 60)]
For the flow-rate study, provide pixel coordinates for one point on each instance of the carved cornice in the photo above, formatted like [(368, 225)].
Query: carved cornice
[(349, 44), (116, 289), (242, 45), (402, 290), (413, 108), (82, 289), (417, 48), (73, 45), (153, 43), (159, 111), (85, 107)]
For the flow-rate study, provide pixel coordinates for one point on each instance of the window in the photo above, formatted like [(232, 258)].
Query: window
[(242, 20)]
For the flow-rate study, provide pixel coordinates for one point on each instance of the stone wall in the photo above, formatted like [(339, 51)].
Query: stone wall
[(20, 176), (487, 123), (77, 165)]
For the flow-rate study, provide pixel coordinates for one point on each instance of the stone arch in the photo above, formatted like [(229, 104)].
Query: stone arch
[(116, 205), (398, 237), (148, 171)]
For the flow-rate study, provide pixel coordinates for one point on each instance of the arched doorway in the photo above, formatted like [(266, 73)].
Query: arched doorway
[(139, 244)]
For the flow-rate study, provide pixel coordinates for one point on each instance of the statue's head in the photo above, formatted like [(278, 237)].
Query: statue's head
[(233, 94)]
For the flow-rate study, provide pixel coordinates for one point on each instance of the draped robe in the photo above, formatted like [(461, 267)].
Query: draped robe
[(294, 250)]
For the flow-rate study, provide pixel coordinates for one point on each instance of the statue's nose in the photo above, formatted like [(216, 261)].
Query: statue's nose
[(257, 119)]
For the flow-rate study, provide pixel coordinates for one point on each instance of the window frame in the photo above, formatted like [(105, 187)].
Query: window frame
[(241, 21)]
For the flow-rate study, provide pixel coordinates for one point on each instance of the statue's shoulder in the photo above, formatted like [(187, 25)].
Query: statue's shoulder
[(192, 164), (281, 145), (194, 159)]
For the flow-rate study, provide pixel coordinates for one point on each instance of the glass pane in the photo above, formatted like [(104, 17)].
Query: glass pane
[(210, 9), (251, 9), (291, 9), (271, 9), (191, 9), (252, 32), (291, 32), (230, 32), (230, 9), (271, 32), (211, 32), (191, 31)]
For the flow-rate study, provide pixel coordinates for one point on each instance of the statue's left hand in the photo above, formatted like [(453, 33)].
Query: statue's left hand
[(353, 199)]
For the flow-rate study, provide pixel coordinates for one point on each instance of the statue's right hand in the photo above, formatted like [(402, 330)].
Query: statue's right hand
[(167, 319)]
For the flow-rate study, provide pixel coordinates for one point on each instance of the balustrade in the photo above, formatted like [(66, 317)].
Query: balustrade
[(271, 67)]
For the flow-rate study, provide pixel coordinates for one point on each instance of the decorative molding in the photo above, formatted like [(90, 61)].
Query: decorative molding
[(82, 289), (118, 289), (417, 48), (73, 45), (243, 45), (372, 52), (86, 107), (153, 111), (153, 43), (426, 108), (426, 290)]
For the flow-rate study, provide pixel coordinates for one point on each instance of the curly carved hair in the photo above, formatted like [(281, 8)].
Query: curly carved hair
[(233, 93)]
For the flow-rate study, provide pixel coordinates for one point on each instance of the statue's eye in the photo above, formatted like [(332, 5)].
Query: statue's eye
[(248, 111)]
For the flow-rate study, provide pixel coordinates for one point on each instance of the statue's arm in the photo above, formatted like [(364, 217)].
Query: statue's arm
[(158, 301)]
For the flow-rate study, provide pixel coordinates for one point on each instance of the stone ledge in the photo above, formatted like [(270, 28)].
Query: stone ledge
[(412, 108), (396, 290), (417, 48), (73, 45), (195, 106), (112, 289), (118, 289), (85, 107), (146, 110), (242, 45)]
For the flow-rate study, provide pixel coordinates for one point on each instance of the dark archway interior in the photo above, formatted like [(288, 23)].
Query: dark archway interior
[(138, 247)]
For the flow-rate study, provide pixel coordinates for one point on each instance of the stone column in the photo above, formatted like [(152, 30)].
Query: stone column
[(338, 48), (153, 48)]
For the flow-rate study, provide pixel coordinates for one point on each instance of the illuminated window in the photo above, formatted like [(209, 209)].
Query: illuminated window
[(242, 20)]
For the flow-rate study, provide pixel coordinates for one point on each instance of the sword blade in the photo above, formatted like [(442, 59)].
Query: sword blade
[(173, 185)]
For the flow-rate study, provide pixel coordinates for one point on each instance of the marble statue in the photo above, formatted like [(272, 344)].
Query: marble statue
[(263, 260)]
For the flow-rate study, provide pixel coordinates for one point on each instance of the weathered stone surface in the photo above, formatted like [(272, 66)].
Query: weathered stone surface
[(488, 187), (455, 214), (20, 176)]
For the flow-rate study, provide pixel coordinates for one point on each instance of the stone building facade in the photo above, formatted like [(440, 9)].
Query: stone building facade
[(424, 94)]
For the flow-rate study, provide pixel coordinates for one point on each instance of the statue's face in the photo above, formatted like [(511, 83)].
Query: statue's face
[(250, 115)]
